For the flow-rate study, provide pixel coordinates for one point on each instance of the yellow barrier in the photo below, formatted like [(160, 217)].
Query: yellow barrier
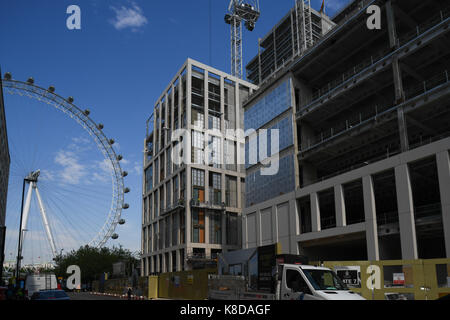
[(153, 287), (191, 285), (419, 279)]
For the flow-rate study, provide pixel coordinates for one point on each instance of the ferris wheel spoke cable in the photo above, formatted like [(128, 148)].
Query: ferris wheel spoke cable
[(83, 215), (78, 192), (78, 223), (55, 209), (70, 228)]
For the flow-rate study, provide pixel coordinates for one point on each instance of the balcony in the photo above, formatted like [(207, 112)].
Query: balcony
[(375, 115), (180, 204), (195, 203)]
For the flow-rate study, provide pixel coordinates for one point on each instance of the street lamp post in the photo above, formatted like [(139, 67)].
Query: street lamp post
[(19, 249), (32, 177), (2, 251)]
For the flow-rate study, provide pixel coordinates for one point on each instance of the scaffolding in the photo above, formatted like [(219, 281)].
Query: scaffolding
[(304, 25), (290, 38)]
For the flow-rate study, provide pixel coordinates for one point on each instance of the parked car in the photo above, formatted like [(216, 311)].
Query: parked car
[(3, 293), (50, 295)]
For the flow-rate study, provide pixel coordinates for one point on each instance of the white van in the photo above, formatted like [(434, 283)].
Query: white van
[(37, 282)]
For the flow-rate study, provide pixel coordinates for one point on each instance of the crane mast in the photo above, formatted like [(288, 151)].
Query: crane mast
[(240, 13)]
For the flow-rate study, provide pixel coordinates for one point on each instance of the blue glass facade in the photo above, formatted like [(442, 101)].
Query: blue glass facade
[(285, 139), (259, 188), (271, 105)]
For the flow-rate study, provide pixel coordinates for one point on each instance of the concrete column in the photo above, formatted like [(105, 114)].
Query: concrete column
[(274, 216), (399, 98), (239, 153), (188, 95), (222, 125), (392, 30), (315, 212), (341, 219), (443, 166), (207, 224), (180, 98), (237, 106), (403, 130), (206, 100), (259, 62), (224, 228), (397, 74), (293, 226), (188, 151), (239, 192), (274, 50), (223, 186), (292, 33), (258, 228), (155, 128), (167, 125), (373, 252), (159, 131), (406, 213), (157, 269)]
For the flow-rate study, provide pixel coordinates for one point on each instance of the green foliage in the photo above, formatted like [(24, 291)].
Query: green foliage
[(93, 261)]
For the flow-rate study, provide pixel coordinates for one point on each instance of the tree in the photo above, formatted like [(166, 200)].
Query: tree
[(93, 261)]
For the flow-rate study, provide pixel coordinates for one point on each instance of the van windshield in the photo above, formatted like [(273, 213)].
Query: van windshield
[(324, 280)]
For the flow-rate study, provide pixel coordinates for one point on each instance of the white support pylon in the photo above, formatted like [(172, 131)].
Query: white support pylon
[(32, 180), (26, 211), (46, 224)]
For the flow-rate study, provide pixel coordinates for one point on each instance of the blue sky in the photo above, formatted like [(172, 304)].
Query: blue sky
[(117, 65)]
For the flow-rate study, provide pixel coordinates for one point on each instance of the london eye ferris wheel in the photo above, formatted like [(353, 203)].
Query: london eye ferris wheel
[(68, 173)]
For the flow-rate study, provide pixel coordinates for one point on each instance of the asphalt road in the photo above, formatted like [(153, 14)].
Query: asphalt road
[(88, 296)]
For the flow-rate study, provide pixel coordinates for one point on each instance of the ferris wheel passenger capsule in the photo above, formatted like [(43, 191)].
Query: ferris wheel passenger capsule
[(126, 190), (8, 76), (124, 174), (87, 112), (125, 206), (70, 99), (30, 80), (115, 236), (122, 221), (51, 89), (100, 126)]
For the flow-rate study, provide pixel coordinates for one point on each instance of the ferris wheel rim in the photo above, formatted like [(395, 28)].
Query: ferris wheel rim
[(16, 87)]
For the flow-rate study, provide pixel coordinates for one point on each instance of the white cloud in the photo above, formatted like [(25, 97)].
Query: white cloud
[(102, 171), (73, 171), (129, 17), (137, 168), (47, 175)]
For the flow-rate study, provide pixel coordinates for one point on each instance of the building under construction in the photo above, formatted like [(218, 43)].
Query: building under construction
[(192, 208), (4, 174), (367, 142), (294, 34)]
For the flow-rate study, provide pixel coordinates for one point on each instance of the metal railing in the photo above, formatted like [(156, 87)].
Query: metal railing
[(389, 153), (384, 218), (377, 111), (353, 72), (427, 210)]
